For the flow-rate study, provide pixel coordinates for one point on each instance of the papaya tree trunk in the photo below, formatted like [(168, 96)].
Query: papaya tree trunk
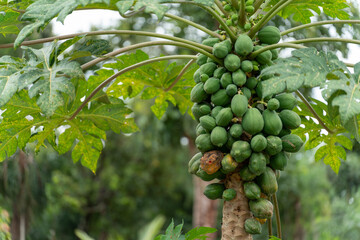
[(235, 212)]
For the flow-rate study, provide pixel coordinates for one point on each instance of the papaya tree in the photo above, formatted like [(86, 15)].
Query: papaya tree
[(244, 96)]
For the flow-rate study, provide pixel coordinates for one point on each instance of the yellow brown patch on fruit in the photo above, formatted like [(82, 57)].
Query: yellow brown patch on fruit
[(261, 220), (210, 162)]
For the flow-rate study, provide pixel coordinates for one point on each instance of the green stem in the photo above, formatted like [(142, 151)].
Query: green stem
[(326, 39), (183, 71), (308, 105), (116, 32), (319, 23), (270, 226), (242, 14), (122, 71), (273, 46), (274, 10), (146, 44), (257, 4), (235, 4), (277, 215), (259, 9), (222, 23), (221, 8), (191, 23)]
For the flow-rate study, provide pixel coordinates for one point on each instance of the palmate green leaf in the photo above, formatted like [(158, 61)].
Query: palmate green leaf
[(303, 10), (199, 233), (307, 67), (41, 12), (152, 81), (332, 145), (8, 23), (23, 122), (10, 5)]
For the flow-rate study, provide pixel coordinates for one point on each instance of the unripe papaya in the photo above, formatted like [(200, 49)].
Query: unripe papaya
[(291, 143), (201, 59), (240, 151), (264, 57), (194, 163), (219, 72), (247, 66), (212, 85), (272, 122), (286, 100), (279, 161), (226, 80), (229, 194), (243, 45), (198, 94), (273, 104), (258, 143), (203, 143), (269, 35), (220, 50), (252, 190), (251, 82), (246, 92), (231, 90), (214, 190), (236, 130), (252, 226), (200, 130), (220, 98), (224, 117), (239, 78), (257, 163), (246, 174), (253, 121), (261, 208), (215, 111), (239, 105), (290, 119), (232, 62), (208, 177), (218, 136), (211, 41), (274, 145), (208, 68), (267, 181), (207, 122)]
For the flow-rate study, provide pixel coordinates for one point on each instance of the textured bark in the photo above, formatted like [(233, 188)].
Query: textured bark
[(205, 211), (235, 212)]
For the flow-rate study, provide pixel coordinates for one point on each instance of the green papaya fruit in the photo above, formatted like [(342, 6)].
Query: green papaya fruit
[(249, 9), (274, 145), (273, 104), (247, 66), (252, 190), (208, 68), (200, 109), (224, 117), (236, 130), (197, 76), (203, 143), (212, 85), (267, 181), (214, 190), (232, 62), (215, 111), (251, 83), (257, 163), (220, 98), (211, 41), (291, 143), (274, 54), (243, 45), (239, 105), (207, 122), (269, 35), (263, 58), (197, 93), (239, 77), (201, 59), (252, 226), (229, 194), (218, 136), (194, 163), (286, 100), (258, 143), (200, 130), (253, 121), (220, 50), (240, 151), (219, 72), (279, 161), (204, 77), (272, 122), (230, 142), (290, 119), (246, 174), (284, 132), (246, 92), (261, 208), (228, 164), (231, 90), (208, 177), (226, 80)]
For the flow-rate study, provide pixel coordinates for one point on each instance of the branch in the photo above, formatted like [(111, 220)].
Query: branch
[(145, 44), (326, 39), (191, 23), (183, 71), (274, 10), (242, 14), (305, 101), (116, 32), (319, 23), (235, 4), (122, 71), (220, 6), (277, 215)]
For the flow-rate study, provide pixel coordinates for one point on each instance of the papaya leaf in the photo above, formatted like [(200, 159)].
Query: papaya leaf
[(303, 10), (8, 22), (331, 146), (41, 12), (307, 67), (199, 233), (153, 81)]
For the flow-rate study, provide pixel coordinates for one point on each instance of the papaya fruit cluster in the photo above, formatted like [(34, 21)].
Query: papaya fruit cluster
[(239, 131)]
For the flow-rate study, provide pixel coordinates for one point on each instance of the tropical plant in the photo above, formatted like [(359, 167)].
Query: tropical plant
[(243, 93)]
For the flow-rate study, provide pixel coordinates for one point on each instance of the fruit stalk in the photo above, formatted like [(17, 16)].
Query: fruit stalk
[(235, 212)]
